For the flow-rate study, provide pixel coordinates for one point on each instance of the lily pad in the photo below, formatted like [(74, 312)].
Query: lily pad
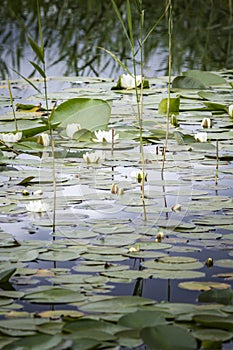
[(156, 338), (55, 296), (91, 114)]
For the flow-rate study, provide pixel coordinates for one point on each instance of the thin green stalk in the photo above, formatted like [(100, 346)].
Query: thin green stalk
[(53, 169), (12, 104), (170, 24), (54, 182), (43, 53), (217, 163), (8, 147), (128, 31), (139, 99)]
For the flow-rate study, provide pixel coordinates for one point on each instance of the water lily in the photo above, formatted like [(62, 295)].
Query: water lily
[(93, 157), (38, 192), (201, 137), (9, 138), (71, 129), (127, 81), (114, 189), (230, 110), (159, 237), (209, 262), (206, 123), (43, 139), (133, 249), (177, 207), (105, 136), (138, 175), (37, 206)]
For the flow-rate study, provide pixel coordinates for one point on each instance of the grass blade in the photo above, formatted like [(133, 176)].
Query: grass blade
[(117, 60), (39, 51), (27, 80), (40, 28), (38, 68), (129, 20), (121, 21)]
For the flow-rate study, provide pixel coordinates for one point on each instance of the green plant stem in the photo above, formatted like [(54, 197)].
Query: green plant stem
[(217, 163), (112, 144), (54, 181), (53, 168), (46, 90), (8, 147), (12, 104), (139, 100), (170, 23)]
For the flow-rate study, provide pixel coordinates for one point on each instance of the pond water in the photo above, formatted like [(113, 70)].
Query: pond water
[(74, 31), (172, 250)]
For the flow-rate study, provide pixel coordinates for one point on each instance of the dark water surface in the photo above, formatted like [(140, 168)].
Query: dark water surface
[(73, 31)]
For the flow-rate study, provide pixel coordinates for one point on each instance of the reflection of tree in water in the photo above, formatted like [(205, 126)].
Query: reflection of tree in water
[(74, 29)]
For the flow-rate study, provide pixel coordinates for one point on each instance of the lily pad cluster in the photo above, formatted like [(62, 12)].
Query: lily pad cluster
[(64, 289)]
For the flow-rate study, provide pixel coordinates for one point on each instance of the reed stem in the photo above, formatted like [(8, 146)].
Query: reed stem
[(170, 25)]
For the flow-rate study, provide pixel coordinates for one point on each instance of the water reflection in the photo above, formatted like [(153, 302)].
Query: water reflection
[(74, 29)]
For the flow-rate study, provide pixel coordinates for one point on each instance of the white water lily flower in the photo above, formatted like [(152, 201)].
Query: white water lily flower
[(206, 123), (38, 193), (159, 237), (132, 250), (105, 136), (37, 206), (93, 157), (177, 207), (43, 139), (9, 138), (127, 81), (114, 189), (201, 137), (138, 175), (71, 129), (230, 110)]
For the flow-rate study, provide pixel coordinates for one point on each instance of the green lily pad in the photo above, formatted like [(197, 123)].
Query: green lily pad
[(59, 255), (194, 285), (121, 304), (37, 342), (91, 114), (141, 319), (54, 295), (222, 296), (172, 265), (156, 338), (212, 335)]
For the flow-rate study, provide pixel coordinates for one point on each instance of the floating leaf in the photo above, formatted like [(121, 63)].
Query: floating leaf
[(120, 304), (91, 114), (6, 274), (207, 78), (215, 321), (203, 285), (173, 102), (172, 265), (168, 337), (212, 335), (54, 295), (222, 296), (141, 319), (37, 342), (184, 82)]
